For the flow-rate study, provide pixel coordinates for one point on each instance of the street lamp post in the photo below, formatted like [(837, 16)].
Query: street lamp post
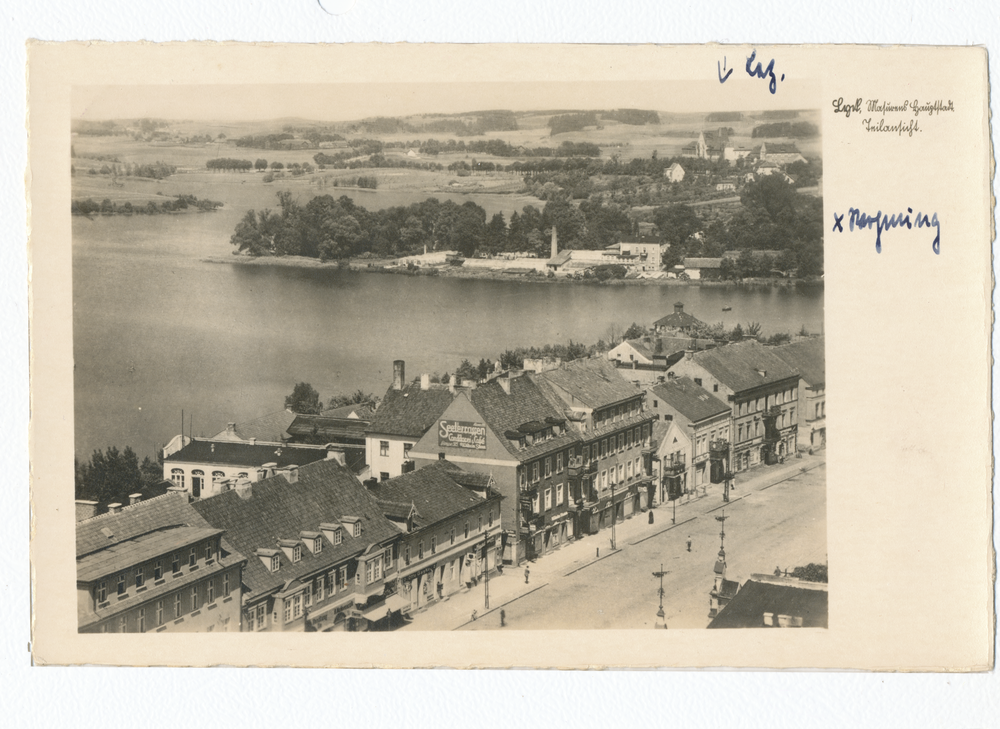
[(614, 516), (486, 568), (659, 613)]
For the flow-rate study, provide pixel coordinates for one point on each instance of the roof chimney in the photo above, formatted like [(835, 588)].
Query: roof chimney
[(85, 509), (762, 372), (269, 469), (134, 499), (451, 384), (688, 353), (678, 308), (398, 374), (555, 242), (291, 473), (231, 429), (425, 381), (244, 488), (505, 384), (333, 454), (114, 508)]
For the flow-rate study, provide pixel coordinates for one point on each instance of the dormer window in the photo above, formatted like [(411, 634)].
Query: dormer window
[(357, 528), (297, 553), (317, 545), (275, 563)]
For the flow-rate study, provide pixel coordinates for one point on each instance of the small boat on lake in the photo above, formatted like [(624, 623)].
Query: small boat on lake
[(727, 308)]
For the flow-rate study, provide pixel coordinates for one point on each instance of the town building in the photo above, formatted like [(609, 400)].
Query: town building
[(345, 433), (680, 322), (509, 429), (709, 145), (695, 419), (762, 391), (645, 360), (608, 416), (452, 534), (156, 566), (703, 269), (638, 254), (733, 154), (321, 553), (808, 356), (406, 413), (270, 428), (204, 468), (776, 602), (725, 187), (674, 173), (780, 153)]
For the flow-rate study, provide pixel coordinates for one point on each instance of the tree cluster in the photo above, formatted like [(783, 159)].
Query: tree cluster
[(229, 164), (785, 129), (724, 116), (562, 123), (110, 477), (179, 203), (635, 117), (150, 170)]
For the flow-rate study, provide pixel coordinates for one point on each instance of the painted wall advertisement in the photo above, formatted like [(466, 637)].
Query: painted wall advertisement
[(461, 434)]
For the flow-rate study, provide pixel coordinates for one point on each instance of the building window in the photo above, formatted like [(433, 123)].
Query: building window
[(535, 504), (288, 610), (343, 578), (177, 605), (604, 479), (139, 577), (628, 471), (383, 448), (194, 597), (260, 617), (275, 563), (192, 556), (297, 553), (373, 570), (142, 620), (338, 537), (479, 525), (211, 591), (388, 560), (225, 585), (559, 499), (307, 595), (406, 450), (586, 454), (318, 588), (357, 528), (317, 545), (548, 467), (697, 381), (491, 511), (121, 584), (175, 563), (217, 478), (102, 592), (331, 583), (559, 463), (177, 476), (122, 624), (621, 441), (297, 606), (534, 472), (406, 555), (157, 569), (548, 499), (621, 472), (434, 543), (420, 549), (159, 613), (466, 530), (522, 478), (453, 535)]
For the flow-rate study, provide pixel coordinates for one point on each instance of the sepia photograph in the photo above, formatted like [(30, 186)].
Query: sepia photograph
[(399, 358)]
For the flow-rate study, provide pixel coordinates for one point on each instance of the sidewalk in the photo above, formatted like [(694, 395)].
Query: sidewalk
[(456, 611)]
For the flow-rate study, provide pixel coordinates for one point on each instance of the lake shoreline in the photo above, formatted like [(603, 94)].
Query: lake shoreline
[(380, 267)]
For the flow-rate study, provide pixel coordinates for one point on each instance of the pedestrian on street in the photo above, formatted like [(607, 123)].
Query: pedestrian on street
[(527, 572), (689, 543), (475, 614), (503, 618)]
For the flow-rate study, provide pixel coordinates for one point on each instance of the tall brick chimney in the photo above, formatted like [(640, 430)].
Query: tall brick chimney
[(398, 374), (555, 242)]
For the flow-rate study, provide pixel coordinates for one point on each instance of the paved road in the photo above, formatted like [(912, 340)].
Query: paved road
[(782, 525)]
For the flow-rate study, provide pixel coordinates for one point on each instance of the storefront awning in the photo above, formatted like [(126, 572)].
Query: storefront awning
[(393, 603)]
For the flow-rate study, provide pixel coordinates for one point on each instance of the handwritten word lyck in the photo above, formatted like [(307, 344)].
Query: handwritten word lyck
[(882, 222), (839, 107), (761, 72)]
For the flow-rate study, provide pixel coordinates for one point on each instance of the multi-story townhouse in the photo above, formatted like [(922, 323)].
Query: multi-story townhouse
[(762, 392), (608, 415), (452, 533), (405, 414), (508, 428), (808, 356), (156, 566), (692, 419), (321, 552)]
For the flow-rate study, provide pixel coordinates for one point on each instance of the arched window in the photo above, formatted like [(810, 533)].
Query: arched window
[(197, 482), (177, 476), (217, 477)]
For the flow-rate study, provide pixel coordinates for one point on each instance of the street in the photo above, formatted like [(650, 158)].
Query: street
[(767, 526)]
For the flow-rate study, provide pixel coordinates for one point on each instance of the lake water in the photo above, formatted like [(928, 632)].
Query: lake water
[(157, 330)]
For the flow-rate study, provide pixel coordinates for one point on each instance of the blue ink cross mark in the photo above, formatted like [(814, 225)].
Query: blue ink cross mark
[(837, 220)]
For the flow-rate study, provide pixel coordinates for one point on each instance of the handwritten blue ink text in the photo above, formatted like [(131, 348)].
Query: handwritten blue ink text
[(761, 72), (882, 222)]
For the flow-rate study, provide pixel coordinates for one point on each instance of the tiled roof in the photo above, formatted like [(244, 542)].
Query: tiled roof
[(526, 403), (808, 356), (144, 517), (692, 401), (747, 608), (121, 555), (678, 319), (738, 365), (753, 253), (233, 453), (410, 412), (660, 428), (782, 148), (592, 383), (322, 429), (641, 347), (271, 427), (363, 411), (324, 492), (560, 258), (432, 489)]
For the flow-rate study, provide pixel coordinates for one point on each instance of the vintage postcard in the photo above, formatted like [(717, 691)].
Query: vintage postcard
[(511, 356)]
